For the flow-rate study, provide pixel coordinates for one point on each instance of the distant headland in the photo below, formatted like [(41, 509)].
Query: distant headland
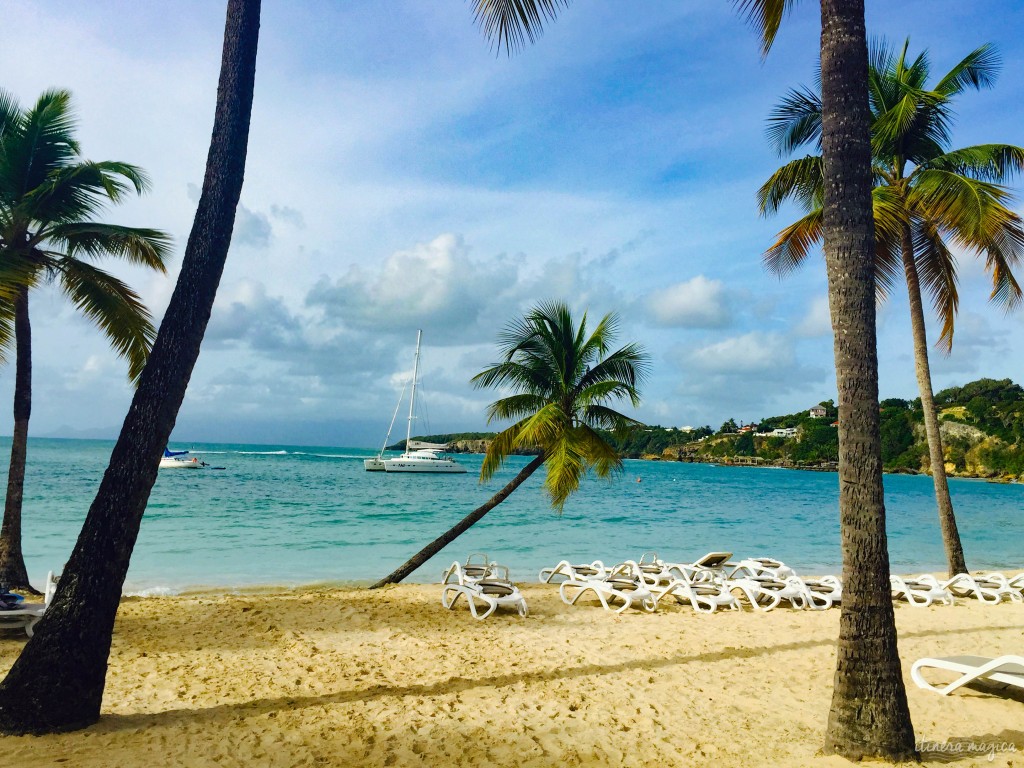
[(982, 425)]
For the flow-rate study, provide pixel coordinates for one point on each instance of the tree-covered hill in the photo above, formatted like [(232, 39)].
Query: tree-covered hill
[(982, 428)]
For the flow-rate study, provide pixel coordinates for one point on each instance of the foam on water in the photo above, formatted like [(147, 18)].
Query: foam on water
[(297, 515)]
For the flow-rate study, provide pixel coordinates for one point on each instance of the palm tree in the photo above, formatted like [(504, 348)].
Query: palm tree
[(57, 682), (869, 715), (562, 380), (924, 196), (49, 197)]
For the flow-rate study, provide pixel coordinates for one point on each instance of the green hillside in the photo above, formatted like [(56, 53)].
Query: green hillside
[(982, 428)]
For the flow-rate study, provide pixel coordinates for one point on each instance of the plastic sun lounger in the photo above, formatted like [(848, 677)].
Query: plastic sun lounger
[(622, 584), (765, 566), (29, 614), (1011, 586), (485, 595), (793, 590), (703, 596), (966, 585), (568, 571), (1008, 670), (919, 594)]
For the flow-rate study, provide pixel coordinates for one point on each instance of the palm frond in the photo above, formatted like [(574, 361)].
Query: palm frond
[(513, 23), (500, 448), (979, 69), (74, 192), (514, 407), (600, 416), (985, 162), (544, 428), (1004, 252), (889, 214), (145, 247), (6, 328), (957, 203), (566, 466), (795, 121), (802, 180), (42, 143), (793, 243), (765, 16), (600, 455), (936, 269), (115, 309)]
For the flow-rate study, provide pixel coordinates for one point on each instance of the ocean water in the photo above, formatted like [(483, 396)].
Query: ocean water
[(287, 515)]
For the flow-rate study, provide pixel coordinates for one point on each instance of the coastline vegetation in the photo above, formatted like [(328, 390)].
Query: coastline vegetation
[(982, 424)]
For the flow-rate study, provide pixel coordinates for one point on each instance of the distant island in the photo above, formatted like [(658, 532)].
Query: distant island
[(982, 426)]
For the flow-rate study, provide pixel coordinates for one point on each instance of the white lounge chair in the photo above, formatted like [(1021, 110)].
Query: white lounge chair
[(568, 571), (767, 566), (491, 591), (966, 585), (712, 566), (919, 594), (703, 596), (621, 584), (27, 615), (1010, 586), (1008, 670), (796, 592)]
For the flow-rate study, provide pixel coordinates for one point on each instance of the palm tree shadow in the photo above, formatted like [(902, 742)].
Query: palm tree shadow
[(223, 714)]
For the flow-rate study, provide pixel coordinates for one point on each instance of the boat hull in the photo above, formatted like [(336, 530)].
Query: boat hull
[(373, 465), (438, 466), (174, 462)]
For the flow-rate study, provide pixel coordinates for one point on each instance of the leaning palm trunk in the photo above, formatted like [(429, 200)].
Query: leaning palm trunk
[(947, 520), (460, 528), (57, 682), (869, 715), (13, 574)]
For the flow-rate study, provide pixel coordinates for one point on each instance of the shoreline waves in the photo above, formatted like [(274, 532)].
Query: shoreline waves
[(317, 677)]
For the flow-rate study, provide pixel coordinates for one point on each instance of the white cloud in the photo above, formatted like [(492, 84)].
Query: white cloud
[(754, 352), (694, 303), (817, 321), (433, 284)]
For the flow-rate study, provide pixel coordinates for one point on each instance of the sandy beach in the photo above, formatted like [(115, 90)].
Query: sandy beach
[(348, 677)]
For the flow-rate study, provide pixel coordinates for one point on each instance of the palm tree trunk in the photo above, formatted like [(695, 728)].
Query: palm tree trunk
[(947, 520), (869, 715), (12, 562), (460, 528), (57, 682)]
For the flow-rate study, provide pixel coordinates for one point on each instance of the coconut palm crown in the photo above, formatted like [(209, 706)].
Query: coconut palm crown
[(48, 198), (563, 381), (944, 197)]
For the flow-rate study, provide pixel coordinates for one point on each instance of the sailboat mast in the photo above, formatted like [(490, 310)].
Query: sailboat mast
[(412, 397)]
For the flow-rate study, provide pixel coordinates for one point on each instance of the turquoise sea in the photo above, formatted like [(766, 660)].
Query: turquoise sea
[(288, 515)]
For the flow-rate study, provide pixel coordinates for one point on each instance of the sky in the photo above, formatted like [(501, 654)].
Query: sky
[(403, 175)]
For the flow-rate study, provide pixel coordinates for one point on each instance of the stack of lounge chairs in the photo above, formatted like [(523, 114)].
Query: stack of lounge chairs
[(991, 588), (485, 585), (711, 583)]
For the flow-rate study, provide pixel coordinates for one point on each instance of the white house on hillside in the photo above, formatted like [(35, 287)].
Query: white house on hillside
[(817, 412)]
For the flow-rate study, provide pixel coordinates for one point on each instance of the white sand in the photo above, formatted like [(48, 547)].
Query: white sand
[(352, 677)]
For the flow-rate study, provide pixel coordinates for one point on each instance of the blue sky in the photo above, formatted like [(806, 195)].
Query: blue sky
[(402, 176)]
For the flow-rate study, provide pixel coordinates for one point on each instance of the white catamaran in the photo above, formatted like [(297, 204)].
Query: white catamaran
[(418, 457)]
